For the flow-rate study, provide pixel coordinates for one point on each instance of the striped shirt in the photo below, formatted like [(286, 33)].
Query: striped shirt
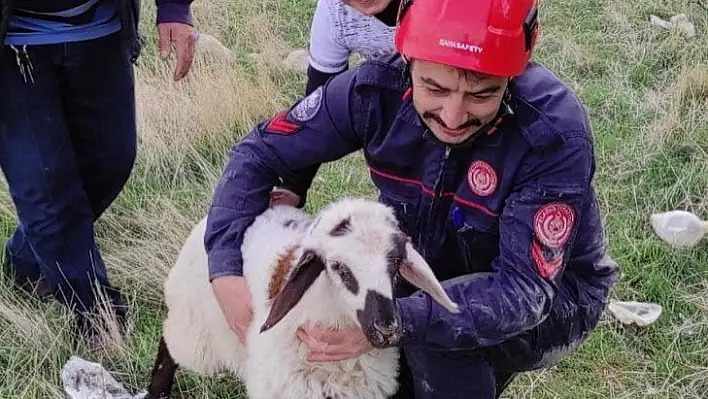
[(37, 22), (339, 30)]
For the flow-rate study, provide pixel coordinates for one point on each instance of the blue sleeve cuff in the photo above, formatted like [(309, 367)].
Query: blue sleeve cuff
[(415, 314), (171, 11), (225, 263)]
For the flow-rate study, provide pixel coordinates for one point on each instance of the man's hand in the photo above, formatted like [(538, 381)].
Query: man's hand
[(234, 298), (185, 42), (281, 196), (327, 345)]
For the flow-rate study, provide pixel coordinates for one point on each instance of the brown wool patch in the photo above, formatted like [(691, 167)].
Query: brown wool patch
[(280, 271)]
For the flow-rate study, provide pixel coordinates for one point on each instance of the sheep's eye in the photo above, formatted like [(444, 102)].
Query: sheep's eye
[(336, 267)]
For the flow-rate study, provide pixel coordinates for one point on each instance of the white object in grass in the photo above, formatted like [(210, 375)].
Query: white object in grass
[(680, 229)]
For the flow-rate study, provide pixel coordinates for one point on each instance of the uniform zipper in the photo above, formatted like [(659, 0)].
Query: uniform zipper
[(439, 183)]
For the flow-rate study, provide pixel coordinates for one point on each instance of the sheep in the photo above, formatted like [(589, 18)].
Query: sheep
[(337, 270)]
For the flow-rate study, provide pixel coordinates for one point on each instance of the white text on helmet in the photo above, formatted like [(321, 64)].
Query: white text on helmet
[(462, 46)]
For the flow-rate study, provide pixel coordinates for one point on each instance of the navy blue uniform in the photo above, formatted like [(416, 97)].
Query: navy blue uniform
[(510, 223)]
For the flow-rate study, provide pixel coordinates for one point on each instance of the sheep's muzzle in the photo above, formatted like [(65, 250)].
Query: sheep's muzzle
[(380, 320)]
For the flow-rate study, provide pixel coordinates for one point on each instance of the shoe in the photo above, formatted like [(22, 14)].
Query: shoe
[(100, 314), (35, 287)]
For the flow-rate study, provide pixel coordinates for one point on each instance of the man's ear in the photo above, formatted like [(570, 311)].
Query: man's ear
[(306, 271)]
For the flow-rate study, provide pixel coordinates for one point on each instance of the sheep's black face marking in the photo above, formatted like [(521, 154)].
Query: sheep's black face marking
[(397, 254), (380, 320), (345, 274), (341, 228)]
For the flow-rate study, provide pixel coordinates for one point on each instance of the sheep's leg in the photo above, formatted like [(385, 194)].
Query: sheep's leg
[(163, 373)]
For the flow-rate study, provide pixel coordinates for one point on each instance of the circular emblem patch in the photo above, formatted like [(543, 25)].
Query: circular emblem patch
[(482, 178), (308, 107), (553, 223)]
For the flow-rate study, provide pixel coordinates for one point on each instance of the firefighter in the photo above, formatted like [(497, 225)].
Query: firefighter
[(487, 159)]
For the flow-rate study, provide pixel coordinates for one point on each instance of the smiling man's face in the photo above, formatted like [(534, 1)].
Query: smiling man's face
[(454, 103)]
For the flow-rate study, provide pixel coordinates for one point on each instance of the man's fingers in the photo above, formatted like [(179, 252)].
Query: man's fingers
[(326, 335), (186, 46), (165, 40), (332, 353), (322, 357), (313, 344)]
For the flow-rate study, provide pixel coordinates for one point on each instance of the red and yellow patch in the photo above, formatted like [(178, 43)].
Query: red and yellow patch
[(280, 125), (552, 226)]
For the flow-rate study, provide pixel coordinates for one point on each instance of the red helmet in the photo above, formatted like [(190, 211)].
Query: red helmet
[(495, 37)]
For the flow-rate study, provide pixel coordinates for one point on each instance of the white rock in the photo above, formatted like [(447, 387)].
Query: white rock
[(679, 21), (297, 60), (208, 44), (660, 22)]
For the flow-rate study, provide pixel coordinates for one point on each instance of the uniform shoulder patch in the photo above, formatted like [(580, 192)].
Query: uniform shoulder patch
[(553, 224), (548, 261), (308, 107), (482, 178), (278, 124)]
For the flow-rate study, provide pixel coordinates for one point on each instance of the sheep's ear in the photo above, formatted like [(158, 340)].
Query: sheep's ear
[(308, 268), (417, 272)]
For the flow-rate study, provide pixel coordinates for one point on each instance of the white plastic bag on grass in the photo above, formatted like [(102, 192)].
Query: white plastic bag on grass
[(679, 228), (87, 380), (639, 313)]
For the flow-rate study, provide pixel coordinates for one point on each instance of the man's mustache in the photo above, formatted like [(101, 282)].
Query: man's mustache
[(469, 123)]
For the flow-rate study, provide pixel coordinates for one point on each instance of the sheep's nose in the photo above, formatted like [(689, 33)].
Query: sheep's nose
[(379, 320), (385, 335)]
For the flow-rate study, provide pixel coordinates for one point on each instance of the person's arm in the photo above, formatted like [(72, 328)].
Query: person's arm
[(327, 53), (322, 127), (316, 78), (538, 227)]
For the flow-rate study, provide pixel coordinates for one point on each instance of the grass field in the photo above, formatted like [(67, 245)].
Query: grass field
[(647, 91)]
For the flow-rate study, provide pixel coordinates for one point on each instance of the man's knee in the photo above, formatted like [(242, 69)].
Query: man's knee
[(105, 176), (449, 374)]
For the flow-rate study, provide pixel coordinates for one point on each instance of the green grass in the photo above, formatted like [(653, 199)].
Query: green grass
[(647, 91)]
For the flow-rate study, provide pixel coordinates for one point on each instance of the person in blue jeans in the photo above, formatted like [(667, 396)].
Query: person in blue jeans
[(68, 135)]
